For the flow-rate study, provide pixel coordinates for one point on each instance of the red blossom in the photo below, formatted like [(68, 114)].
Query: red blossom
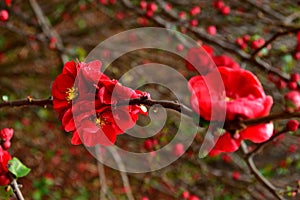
[(245, 102), (248, 102), (82, 93), (63, 90), (6, 134), (4, 158)]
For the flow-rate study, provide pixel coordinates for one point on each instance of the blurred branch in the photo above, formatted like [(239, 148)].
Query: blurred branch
[(249, 160), (48, 30), (261, 146), (266, 9), (208, 38), (123, 173), (16, 190), (273, 38), (102, 178)]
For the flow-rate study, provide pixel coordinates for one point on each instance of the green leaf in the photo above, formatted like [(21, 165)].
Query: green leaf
[(17, 168)]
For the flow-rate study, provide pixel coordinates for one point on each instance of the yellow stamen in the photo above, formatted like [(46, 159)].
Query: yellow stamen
[(228, 99), (72, 93), (100, 121)]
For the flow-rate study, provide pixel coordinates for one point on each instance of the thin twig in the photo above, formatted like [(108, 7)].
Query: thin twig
[(267, 10), (16, 190), (261, 146), (210, 39), (273, 38), (123, 173), (102, 177), (269, 186), (48, 30), (27, 102)]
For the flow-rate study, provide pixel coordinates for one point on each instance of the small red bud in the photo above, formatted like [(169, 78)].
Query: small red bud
[(211, 30), (292, 125), (6, 145), (195, 10), (185, 194), (225, 10), (4, 15)]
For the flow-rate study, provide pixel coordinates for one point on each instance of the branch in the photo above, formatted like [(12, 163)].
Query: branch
[(261, 146), (269, 186), (267, 10), (27, 102), (16, 190), (48, 30), (173, 105), (210, 39), (273, 38), (240, 124)]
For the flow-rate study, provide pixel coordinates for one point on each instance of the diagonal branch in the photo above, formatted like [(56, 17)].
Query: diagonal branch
[(48, 30), (269, 186)]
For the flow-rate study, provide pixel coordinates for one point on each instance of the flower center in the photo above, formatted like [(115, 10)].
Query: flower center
[(72, 93), (100, 121), (228, 99)]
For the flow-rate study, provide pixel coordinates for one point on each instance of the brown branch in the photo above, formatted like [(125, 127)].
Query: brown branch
[(27, 102), (268, 185), (48, 30), (267, 10), (273, 38), (210, 39), (261, 146)]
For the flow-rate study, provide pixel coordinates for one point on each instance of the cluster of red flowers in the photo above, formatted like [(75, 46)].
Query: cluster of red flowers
[(84, 98), (244, 98), (5, 137)]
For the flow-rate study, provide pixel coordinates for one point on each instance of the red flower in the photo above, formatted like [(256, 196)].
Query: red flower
[(245, 102), (199, 59), (63, 90), (82, 93), (104, 125), (225, 61), (6, 134), (4, 158), (228, 143), (250, 101)]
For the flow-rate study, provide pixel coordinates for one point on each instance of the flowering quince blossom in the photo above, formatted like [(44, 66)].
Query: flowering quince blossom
[(4, 158), (244, 98), (83, 86), (5, 136)]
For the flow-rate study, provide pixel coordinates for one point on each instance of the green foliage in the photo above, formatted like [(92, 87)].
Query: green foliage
[(17, 168)]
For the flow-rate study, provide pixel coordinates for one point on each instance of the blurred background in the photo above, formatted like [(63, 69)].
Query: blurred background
[(32, 54)]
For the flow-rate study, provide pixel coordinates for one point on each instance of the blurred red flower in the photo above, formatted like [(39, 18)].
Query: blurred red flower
[(4, 158), (199, 59), (6, 134), (225, 61)]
